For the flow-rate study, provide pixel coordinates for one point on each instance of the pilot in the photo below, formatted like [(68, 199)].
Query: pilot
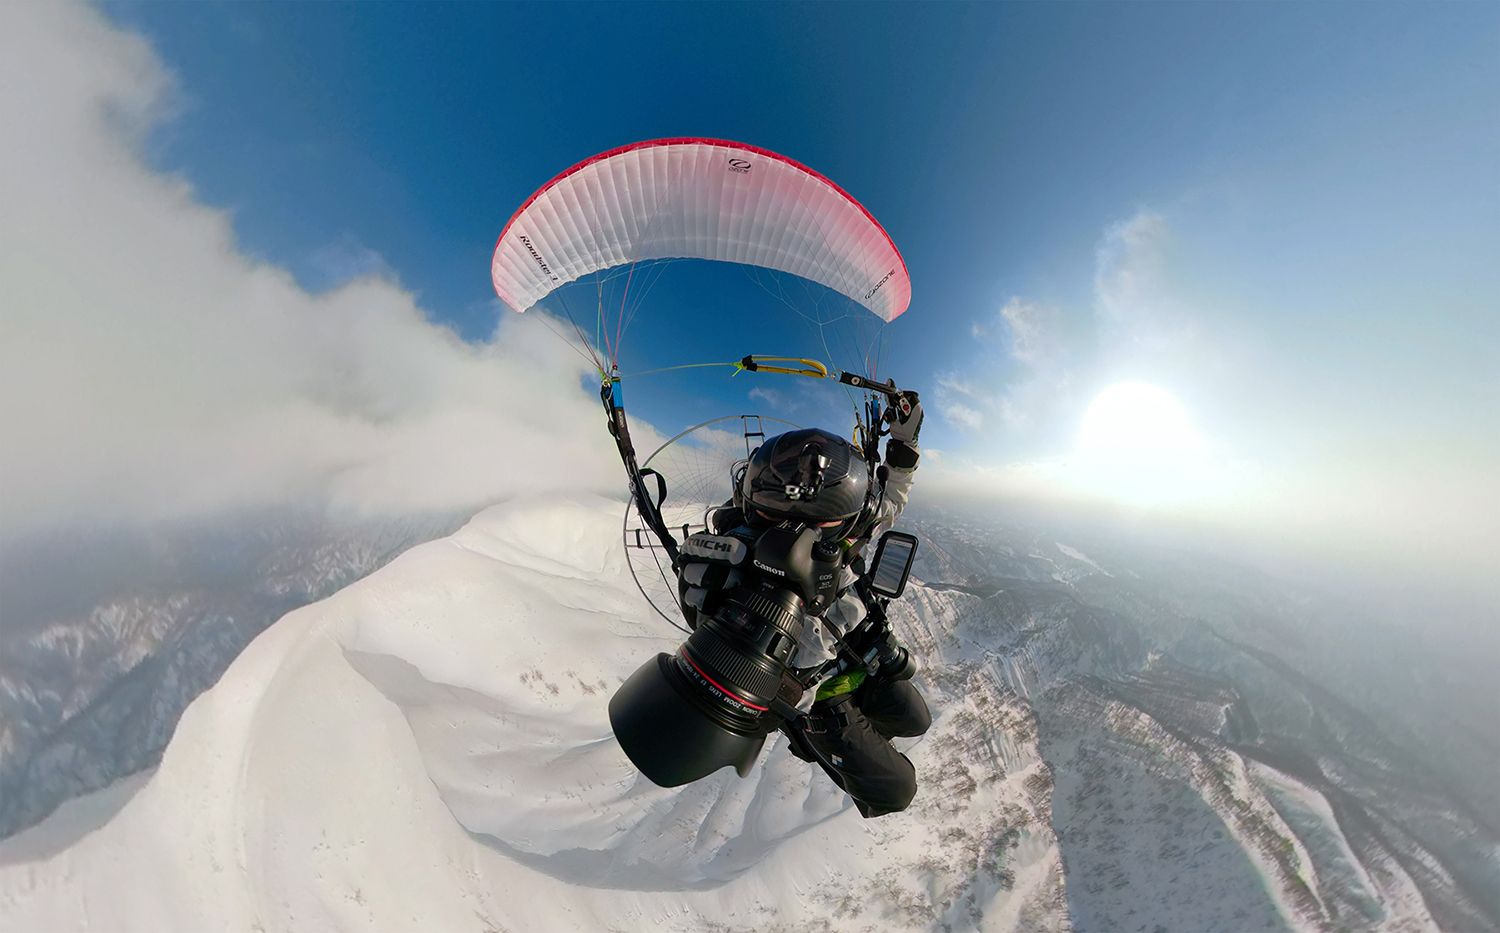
[(814, 477)]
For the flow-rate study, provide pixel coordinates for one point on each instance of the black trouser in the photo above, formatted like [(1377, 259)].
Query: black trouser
[(849, 736)]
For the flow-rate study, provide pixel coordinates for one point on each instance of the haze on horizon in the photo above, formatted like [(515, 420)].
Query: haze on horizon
[(245, 248)]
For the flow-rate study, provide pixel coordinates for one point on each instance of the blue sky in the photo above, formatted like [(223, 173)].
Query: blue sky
[(1323, 168), (1285, 217)]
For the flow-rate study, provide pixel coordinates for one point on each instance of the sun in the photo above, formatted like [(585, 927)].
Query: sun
[(1137, 419), (1137, 445)]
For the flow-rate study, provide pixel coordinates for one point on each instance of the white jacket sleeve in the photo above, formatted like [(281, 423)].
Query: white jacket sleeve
[(895, 492)]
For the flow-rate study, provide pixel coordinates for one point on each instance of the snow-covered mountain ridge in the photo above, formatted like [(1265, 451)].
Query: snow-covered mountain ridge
[(1197, 714), (429, 748), (107, 641)]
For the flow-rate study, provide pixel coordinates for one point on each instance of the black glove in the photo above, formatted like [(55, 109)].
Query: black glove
[(726, 518), (901, 449), (890, 660), (701, 587), (894, 662)]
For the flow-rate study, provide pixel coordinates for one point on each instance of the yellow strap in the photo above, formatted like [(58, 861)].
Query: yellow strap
[(808, 368)]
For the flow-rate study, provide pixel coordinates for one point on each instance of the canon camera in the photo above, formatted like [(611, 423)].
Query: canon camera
[(683, 716)]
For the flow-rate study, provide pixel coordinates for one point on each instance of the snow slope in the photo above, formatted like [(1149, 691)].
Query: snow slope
[(109, 636), (429, 749), (1121, 741)]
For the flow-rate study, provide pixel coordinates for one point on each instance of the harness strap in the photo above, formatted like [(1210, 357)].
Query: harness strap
[(833, 716)]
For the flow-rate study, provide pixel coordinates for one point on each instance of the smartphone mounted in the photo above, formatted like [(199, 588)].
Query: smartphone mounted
[(892, 564)]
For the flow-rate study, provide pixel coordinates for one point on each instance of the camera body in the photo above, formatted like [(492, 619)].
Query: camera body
[(747, 594), (683, 716), (789, 555)]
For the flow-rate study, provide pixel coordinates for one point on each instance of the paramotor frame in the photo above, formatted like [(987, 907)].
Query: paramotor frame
[(696, 469)]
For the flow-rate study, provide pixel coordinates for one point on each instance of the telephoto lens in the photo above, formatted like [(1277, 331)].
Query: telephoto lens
[(683, 716)]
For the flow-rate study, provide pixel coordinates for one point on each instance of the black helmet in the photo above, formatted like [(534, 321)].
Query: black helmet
[(809, 475)]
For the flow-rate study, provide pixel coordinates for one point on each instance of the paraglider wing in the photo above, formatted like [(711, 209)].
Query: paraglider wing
[(697, 199)]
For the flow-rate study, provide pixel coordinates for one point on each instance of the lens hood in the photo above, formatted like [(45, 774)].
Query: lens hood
[(667, 736)]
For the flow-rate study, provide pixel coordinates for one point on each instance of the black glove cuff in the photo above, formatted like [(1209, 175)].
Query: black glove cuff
[(727, 518), (900, 456)]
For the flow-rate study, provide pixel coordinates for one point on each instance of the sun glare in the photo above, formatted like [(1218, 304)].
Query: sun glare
[(1137, 444), (1136, 418)]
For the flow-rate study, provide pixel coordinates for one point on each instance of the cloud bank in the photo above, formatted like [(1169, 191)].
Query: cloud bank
[(149, 370)]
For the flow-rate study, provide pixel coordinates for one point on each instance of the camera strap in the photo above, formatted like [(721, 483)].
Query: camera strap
[(784, 704), (844, 645)]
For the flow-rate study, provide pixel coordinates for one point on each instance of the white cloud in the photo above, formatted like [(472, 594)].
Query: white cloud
[(956, 400), (951, 383), (1288, 467), (148, 369), (802, 401), (1055, 362), (1000, 394), (960, 416), (346, 259), (1036, 332), (777, 400), (1128, 266)]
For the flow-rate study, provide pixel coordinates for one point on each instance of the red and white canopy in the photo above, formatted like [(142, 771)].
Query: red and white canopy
[(697, 199)]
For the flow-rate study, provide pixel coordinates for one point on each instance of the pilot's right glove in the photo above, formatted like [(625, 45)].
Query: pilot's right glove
[(701, 587), (709, 566)]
